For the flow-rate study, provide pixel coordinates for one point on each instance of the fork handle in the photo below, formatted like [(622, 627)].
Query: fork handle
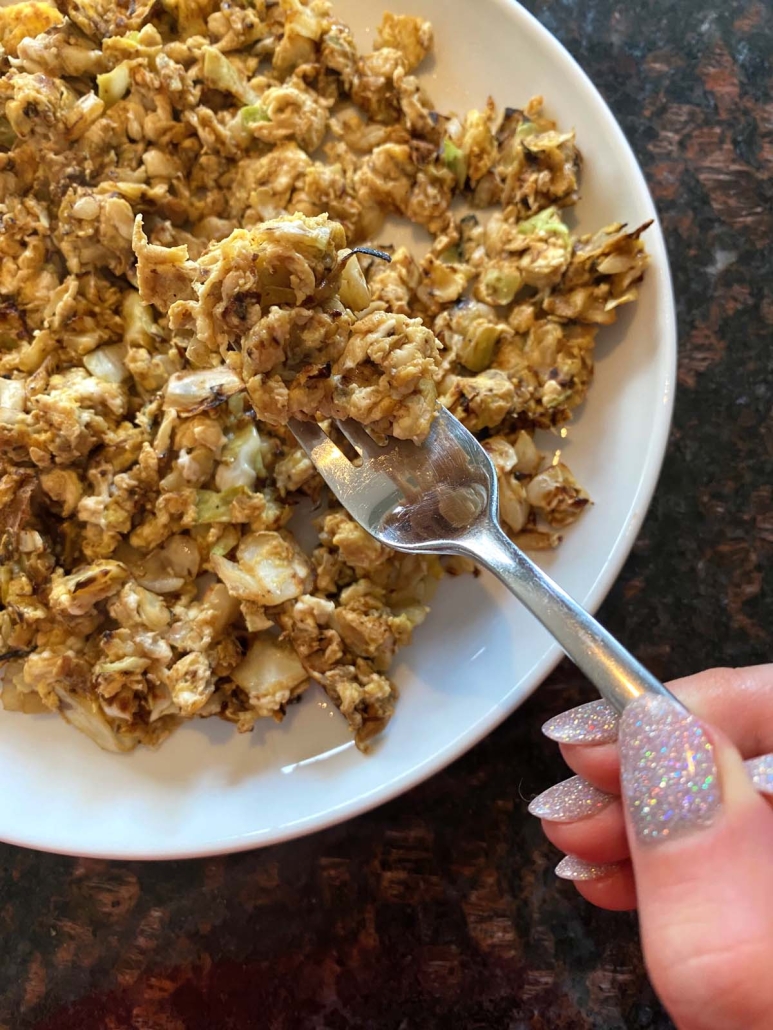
[(616, 674)]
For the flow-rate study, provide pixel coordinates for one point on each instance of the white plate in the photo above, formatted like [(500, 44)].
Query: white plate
[(479, 655)]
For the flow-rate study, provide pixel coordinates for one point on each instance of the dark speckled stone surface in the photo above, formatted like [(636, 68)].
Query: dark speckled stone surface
[(440, 909)]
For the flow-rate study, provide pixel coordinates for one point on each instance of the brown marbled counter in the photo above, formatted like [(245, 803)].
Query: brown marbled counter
[(440, 909)]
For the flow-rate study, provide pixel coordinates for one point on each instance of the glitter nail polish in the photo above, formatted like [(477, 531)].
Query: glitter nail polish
[(668, 771), (573, 868), (761, 771), (593, 723), (570, 801)]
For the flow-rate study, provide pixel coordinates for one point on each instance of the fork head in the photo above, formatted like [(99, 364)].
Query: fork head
[(413, 498)]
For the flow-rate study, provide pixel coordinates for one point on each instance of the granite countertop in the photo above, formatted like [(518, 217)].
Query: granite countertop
[(441, 909)]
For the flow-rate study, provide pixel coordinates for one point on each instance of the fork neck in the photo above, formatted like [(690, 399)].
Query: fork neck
[(616, 674)]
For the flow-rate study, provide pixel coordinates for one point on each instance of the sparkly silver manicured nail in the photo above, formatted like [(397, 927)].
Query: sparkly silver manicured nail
[(573, 868), (594, 723), (668, 770), (570, 801), (761, 771)]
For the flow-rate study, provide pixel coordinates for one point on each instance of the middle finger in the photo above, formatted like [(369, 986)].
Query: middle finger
[(599, 839)]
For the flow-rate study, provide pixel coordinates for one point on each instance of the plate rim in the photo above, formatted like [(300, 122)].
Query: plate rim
[(605, 579)]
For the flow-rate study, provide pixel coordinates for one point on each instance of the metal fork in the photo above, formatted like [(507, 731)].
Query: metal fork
[(442, 498)]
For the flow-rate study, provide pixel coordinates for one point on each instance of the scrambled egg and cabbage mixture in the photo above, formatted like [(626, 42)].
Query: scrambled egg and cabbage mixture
[(183, 188)]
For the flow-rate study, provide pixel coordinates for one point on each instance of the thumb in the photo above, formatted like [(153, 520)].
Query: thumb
[(701, 843)]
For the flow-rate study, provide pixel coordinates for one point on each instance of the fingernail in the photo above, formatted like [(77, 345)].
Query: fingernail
[(668, 770), (573, 868), (761, 771), (593, 723), (570, 801)]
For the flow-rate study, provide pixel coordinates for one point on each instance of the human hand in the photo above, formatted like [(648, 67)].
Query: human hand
[(689, 842)]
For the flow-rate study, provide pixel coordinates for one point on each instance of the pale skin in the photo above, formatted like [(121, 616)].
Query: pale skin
[(705, 900)]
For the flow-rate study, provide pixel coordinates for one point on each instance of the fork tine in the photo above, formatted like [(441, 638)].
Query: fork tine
[(359, 438), (329, 460), (308, 434), (317, 444), (362, 489)]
